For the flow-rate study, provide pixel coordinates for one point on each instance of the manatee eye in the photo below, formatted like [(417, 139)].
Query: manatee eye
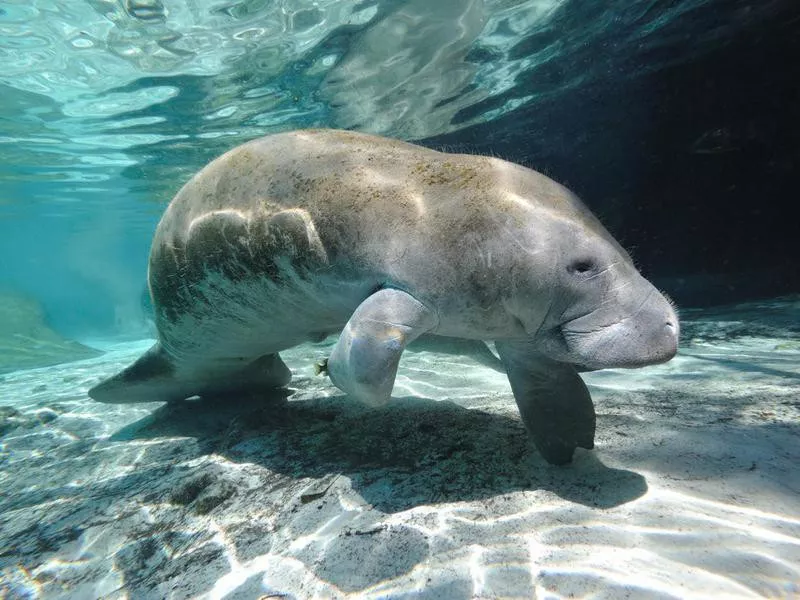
[(581, 266)]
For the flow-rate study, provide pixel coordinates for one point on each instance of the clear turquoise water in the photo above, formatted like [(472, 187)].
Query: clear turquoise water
[(107, 107), (106, 110)]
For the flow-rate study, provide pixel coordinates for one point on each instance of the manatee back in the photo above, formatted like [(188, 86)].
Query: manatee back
[(353, 208)]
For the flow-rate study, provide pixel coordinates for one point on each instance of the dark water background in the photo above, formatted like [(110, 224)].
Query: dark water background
[(676, 121)]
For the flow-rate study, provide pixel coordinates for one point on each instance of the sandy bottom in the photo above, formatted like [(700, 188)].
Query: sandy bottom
[(693, 490)]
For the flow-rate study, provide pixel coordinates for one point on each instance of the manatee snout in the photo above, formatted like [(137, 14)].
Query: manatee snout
[(649, 336), (629, 337)]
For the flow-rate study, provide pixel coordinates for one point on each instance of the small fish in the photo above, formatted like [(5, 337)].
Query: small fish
[(321, 367)]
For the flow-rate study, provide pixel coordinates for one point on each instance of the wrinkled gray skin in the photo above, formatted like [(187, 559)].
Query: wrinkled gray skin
[(299, 235)]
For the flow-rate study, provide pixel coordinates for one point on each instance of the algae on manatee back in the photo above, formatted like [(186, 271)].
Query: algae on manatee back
[(26, 341)]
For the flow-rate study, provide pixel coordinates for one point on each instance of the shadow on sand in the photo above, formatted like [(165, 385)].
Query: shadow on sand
[(414, 452)]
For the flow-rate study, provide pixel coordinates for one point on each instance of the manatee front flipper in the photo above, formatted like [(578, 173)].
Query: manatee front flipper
[(364, 361), (553, 400)]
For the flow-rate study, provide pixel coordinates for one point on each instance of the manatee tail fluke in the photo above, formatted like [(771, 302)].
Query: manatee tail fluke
[(150, 379), (154, 378)]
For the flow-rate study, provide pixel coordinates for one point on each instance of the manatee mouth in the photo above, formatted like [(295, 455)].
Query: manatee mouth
[(648, 336)]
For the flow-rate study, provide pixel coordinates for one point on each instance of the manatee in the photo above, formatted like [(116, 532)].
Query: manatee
[(296, 236)]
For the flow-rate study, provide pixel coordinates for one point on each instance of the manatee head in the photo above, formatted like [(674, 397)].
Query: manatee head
[(601, 312), (607, 314)]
